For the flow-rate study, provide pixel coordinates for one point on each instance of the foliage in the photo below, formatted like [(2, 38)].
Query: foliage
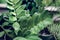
[(55, 30), (2, 1), (25, 26), (28, 38), (19, 19)]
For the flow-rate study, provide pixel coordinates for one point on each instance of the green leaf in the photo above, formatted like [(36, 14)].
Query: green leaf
[(1, 33), (27, 13), (36, 18), (16, 26), (46, 2), (18, 4), (41, 25), (22, 18), (9, 2), (22, 13), (19, 38), (33, 10), (57, 3), (10, 33), (13, 13), (12, 18), (10, 7), (20, 8), (5, 24), (15, 1), (33, 38), (48, 21)]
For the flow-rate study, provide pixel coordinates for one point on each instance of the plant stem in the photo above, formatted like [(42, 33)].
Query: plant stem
[(6, 32)]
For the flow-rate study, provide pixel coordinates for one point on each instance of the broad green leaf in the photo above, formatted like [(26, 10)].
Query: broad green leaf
[(16, 27), (22, 13), (1, 33), (12, 18), (19, 38), (33, 38), (22, 7)]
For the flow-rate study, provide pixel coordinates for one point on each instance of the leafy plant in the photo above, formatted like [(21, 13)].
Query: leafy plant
[(55, 30), (25, 27)]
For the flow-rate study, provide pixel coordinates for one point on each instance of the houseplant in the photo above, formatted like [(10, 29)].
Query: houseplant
[(24, 26)]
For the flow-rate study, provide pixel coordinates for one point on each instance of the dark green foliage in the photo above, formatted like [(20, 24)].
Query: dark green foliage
[(26, 19)]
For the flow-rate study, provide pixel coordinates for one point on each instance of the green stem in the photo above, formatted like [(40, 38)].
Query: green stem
[(6, 32)]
